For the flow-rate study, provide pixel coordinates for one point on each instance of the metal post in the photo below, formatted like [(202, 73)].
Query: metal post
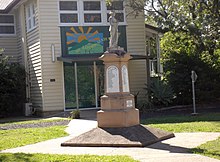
[(193, 77), (194, 100), (76, 85), (95, 80)]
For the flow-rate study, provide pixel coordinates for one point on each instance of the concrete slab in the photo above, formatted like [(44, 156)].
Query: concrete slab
[(134, 136)]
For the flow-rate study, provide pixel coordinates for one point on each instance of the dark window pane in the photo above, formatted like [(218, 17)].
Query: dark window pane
[(7, 30), (68, 5), (116, 5), (92, 18), (6, 19), (68, 18), (118, 16), (92, 5)]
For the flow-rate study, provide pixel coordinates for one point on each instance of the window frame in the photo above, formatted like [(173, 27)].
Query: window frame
[(30, 19), (80, 11), (119, 11), (9, 24), (68, 12), (92, 12)]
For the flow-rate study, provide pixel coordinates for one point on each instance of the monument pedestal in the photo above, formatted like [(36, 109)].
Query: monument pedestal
[(117, 105)]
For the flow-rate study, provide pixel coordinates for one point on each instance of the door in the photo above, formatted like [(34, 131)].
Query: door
[(84, 84)]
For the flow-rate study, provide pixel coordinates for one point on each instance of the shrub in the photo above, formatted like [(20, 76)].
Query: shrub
[(161, 94), (75, 114), (178, 73), (12, 87)]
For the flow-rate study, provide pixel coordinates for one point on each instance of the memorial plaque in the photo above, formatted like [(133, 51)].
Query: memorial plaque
[(112, 79), (125, 83), (129, 103)]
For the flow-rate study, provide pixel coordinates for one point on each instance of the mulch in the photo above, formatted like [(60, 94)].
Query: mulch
[(34, 125)]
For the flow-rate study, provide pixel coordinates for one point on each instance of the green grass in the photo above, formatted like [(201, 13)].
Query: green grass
[(20, 137), (200, 123), (20, 157), (211, 149)]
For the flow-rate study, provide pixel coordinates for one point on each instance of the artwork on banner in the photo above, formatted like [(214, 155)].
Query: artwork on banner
[(84, 40)]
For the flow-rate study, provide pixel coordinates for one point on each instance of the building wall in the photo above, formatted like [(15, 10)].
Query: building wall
[(52, 72), (33, 48), (136, 44), (53, 95), (9, 43)]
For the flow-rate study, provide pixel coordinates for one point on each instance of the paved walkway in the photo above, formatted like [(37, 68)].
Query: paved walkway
[(171, 150)]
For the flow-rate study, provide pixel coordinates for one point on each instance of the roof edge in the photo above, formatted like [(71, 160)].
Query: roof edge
[(10, 6), (154, 28)]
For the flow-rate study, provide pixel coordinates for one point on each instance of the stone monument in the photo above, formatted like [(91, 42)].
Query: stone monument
[(118, 119)]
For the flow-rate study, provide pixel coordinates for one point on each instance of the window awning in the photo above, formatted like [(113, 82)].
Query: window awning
[(82, 58)]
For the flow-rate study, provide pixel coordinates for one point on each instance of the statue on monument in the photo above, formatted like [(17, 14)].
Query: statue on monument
[(113, 29)]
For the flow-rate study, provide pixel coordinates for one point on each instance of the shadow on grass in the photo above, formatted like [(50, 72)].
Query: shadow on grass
[(182, 118), (18, 157), (18, 119), (205, 152)]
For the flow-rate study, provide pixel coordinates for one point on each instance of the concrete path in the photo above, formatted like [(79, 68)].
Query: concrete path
[(171, 150)]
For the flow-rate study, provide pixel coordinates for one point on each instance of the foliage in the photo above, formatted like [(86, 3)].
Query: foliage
[(178, 43), (20, 157), (178, 73), (75, 114), (202, 123), (199, 19), (160, 93), (21, 137), (12, 87), (210, 148)]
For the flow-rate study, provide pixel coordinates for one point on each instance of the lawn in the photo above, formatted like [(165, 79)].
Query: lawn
[(20, 157), (211, 149), (20, 137), (200, 123)]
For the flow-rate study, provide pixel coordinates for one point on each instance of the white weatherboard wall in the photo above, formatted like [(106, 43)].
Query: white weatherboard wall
[(53, 95), (136, 44), (9, 43), (34, 62)]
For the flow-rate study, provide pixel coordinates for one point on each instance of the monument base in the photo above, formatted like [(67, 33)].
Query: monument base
[(118, 118), (134, 136)]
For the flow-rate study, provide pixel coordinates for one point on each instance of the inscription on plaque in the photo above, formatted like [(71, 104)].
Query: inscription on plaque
[(129, 103), (125, 83), (112, 79)]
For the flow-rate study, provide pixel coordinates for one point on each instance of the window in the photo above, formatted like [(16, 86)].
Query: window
[(30, 17), (118, 7), (68, 12), (7, 25), (88, 12), (92, 12)]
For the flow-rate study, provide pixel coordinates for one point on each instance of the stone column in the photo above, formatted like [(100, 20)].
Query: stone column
[(117, 105)]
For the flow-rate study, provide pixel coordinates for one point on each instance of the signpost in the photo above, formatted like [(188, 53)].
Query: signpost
[(193, 77)]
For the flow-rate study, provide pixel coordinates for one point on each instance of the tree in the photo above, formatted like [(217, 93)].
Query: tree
[(199, 18), (179, 59)]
